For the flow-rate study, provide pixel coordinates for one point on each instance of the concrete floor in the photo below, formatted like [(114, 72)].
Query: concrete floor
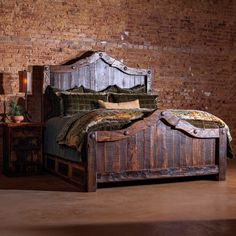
[(46, 205)]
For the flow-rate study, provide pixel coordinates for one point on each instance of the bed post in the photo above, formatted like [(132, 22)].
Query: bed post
[(221, 154), (91, 170)]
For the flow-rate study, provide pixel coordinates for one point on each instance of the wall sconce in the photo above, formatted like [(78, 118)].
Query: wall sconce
[(25, 86)]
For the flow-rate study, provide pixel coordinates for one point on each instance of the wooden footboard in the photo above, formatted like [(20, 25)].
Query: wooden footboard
[(154, 148)]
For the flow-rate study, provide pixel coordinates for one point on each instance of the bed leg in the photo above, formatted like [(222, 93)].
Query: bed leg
[(91, 185), (91, 178), (222, 156)]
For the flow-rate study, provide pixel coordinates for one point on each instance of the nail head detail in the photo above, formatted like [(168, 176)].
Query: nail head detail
[(126, 132)]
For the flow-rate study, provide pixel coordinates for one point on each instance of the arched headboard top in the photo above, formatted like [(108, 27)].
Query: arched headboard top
[(96, 71)]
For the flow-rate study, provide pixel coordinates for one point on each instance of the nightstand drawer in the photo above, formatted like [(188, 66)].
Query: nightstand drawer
[(26, 143), (22, 149), (20, 132)]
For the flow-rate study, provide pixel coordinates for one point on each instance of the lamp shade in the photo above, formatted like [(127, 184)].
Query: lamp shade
[(25, 82)]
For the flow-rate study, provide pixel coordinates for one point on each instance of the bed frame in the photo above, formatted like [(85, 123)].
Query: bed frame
[(159, 146)]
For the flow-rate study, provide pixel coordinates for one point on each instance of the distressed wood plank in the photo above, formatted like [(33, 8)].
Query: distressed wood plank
[(159, 173), (132, 153), (221, 154)]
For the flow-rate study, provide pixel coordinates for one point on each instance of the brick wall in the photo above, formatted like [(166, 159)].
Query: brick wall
[(190, 45)]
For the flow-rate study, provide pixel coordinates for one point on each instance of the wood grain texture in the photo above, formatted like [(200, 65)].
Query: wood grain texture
[(158, 173), (96, 72), (76, 171), (221, 154), (159, 146), (22, 148), (154, 149)]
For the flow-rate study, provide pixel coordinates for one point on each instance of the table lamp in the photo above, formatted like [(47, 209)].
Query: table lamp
[(25, 86)]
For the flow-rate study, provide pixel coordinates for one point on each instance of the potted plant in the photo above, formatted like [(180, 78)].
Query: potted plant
[(15, 112)]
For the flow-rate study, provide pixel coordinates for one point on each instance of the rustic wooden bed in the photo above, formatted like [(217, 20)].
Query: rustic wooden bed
[(159, 146)]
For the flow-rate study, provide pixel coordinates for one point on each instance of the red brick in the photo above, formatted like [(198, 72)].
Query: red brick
[(189, 45)]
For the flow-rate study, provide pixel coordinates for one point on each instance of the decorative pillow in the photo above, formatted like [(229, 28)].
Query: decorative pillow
[(76, 89), (137, 89), (54, 97), (119, 105), (84, 101), (145, 100), (117, 89), (55, 100)]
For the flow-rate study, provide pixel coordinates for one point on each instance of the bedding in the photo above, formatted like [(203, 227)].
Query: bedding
[(53, 127), (70, 101), (145, 100), (116, 89), (56, 103), (84, 101), (74, 130), (119, 105)]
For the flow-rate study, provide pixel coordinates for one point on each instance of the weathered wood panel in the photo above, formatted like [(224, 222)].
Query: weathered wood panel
[(96, 72), (158, 173), (156, 147), (75, 172)]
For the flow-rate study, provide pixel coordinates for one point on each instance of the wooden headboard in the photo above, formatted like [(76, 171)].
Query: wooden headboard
[(95, 70)]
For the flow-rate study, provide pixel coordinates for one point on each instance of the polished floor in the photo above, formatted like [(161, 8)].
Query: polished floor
[(46, 205)]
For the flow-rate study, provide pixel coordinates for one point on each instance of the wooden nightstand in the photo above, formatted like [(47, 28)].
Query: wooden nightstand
[(22, 149)]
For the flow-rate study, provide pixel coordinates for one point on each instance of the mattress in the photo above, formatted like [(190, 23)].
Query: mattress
[(52, 128)]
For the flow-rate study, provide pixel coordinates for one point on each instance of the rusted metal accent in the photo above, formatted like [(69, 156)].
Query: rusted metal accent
[(93, 136)]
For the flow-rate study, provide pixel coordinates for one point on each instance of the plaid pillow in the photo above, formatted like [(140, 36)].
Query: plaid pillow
[(145, 100), (76, 89), (73, 103), (53, 95), (117, 89)]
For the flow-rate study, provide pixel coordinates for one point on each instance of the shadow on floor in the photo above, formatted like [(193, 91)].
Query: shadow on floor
[(48, 182), (44, 182), (178, 228)]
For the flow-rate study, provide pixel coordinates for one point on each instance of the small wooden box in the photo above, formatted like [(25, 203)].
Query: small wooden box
[(22, 149)]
